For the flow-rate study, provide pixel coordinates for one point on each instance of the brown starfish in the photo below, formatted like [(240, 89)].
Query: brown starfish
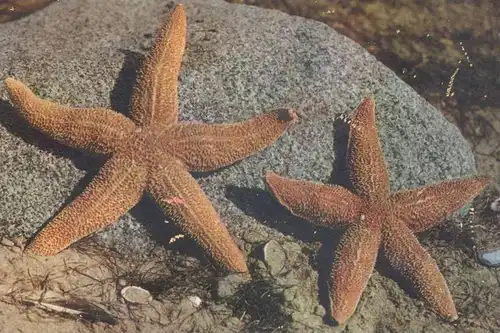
[(151, 152), (374, 218)]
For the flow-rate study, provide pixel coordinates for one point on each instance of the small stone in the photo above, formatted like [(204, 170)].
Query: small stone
[(293, 251), (248, 247), (7, 242), (16, 249), (495, 205), (298, 316), (122, 282), (289, 294), (260, 267), (319, 311), (274, 257), (195, 300), (254, 236), (183, 309), (189, 262), (136, 295), (490, 258), (229, 284)]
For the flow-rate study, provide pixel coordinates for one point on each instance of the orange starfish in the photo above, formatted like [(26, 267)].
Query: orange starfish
[(151, 152), (374, 218)]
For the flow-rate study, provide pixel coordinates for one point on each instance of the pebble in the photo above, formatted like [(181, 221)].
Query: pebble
[(188, 262), (490, 258), (495, 205), (274, 257), (7, 242), (254, 236), (122, 282), (195, 300), (136, 295), (229, 285), (16, 249), (319, 311)]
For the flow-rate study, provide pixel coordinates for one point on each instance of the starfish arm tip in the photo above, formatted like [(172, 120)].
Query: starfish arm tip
[(272, 180), (13, 85), (37, 248), (270, 174), (368, 101), (9, 81), (340, 317), (179, 8)]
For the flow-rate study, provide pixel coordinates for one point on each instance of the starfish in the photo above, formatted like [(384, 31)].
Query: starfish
[(375, 219), (152, 153)]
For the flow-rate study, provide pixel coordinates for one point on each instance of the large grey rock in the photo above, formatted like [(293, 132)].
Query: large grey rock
[(240, 61)]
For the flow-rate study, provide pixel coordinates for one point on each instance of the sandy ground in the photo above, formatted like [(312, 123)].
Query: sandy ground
[(81, 292)]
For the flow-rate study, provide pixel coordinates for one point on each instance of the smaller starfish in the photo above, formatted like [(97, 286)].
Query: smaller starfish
[(152, 152), (374, 218)]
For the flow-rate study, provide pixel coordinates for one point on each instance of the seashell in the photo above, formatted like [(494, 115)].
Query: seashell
[(136, 295)]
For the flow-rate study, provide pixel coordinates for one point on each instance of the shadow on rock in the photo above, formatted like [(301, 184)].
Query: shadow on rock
[(19, 127)]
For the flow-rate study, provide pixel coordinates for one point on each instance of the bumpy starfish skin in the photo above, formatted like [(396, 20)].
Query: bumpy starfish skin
[(151, 152), (374, 218)]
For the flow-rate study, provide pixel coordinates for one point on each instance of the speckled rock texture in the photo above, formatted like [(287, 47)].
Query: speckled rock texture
[(83, 53)]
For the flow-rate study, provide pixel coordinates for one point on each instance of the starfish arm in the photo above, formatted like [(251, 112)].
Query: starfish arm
[(205, 147), (116, 188), (96, 130), (353, 264), (368, 170), (331, 206), (154, 98), (411, 260), (182, 200), (424, 207)]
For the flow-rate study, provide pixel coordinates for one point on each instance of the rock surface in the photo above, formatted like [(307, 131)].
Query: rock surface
[(234, 68), (240, 61)]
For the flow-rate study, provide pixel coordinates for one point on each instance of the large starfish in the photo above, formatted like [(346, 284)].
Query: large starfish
[(376, 219), (151, 152)]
